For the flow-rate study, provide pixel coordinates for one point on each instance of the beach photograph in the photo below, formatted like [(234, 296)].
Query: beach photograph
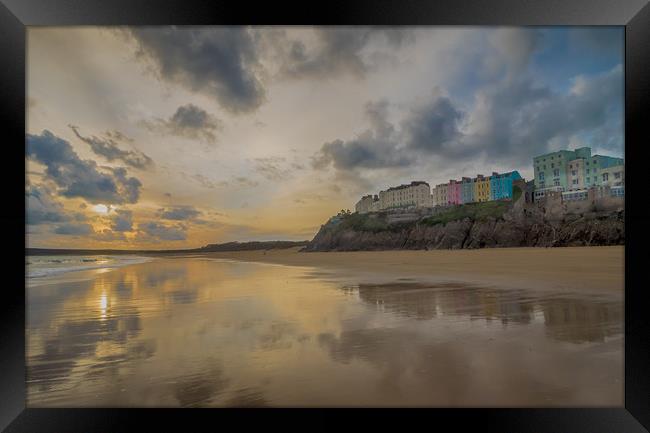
[(324, 216)]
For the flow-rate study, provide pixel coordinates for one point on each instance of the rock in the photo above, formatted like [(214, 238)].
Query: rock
[(529, 225)]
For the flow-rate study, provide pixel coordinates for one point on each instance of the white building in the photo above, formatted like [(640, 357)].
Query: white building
[(440, 194), (366, 203), (416, 194)]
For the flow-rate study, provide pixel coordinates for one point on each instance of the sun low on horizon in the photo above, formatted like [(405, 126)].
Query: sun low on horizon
[(177, 137)]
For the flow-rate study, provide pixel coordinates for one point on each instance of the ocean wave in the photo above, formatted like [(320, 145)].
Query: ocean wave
[(43, 268)]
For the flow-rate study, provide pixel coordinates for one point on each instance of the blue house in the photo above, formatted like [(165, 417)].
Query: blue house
[(467, 190), (501, 184)]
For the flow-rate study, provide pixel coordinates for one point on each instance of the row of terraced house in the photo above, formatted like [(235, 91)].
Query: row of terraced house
[(419, 194), (573, 174)]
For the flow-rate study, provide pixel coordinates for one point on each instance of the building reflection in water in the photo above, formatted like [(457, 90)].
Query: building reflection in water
[(565, 317)]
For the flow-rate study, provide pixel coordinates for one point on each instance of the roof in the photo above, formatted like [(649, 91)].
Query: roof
[(404, 186)]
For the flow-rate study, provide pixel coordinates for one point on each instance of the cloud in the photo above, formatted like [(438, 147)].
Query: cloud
[(337, 51), (41, 206), (108, 235), (509, 121), (272, 168), (122, 221), (511, 50), (430, 127), (118, 136), (108, 148), (188, 121), (220, 62), (179, 213), (154, 231), (233, 182), (72, 229), (519, 119), (81, 178), (377, 147)]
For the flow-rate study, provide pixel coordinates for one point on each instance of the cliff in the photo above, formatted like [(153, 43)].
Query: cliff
[(478, 225)]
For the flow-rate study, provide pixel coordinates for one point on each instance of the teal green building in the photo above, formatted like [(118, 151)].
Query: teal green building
[(566, 170)]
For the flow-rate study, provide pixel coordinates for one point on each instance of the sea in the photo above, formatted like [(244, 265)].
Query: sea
[(39, 268)]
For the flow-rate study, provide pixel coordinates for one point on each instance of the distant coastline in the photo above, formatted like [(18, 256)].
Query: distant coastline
[(228, 246)]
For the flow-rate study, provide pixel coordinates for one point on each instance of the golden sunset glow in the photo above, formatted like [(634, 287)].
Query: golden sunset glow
[(139, 139)]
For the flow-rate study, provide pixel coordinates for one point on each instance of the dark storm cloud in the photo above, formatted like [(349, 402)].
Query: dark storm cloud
[(339, 50), (522, 119), (179, 213), (377, 147), (109, 149), (42, 208), (122, 221), (188, 121), (429, 128), (81, 178), (217, 61), (74, 229), (154, 231), (509, 122)]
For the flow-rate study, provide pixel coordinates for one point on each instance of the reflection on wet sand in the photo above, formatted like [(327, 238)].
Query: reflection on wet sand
[(199, 332), (566, 318)]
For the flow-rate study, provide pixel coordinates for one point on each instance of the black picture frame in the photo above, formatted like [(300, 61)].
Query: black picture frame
[(15, 15)]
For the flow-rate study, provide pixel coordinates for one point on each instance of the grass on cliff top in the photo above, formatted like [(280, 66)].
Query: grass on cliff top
[(362, 223), (516, 193), (373, 223), (474, 211)]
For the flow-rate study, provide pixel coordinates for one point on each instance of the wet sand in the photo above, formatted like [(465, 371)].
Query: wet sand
[(206, 332), (583, 269)]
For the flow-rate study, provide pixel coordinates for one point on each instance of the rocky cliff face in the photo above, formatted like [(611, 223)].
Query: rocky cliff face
[(522, 225)]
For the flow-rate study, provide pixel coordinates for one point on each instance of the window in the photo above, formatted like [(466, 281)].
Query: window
[(544, 167), (556, 182), (588, 179), (617, 175), (587, 171), (605, 177), (556, 172), (552, 165), (595, 162), (573, 172), (575, 181), (570, 165)]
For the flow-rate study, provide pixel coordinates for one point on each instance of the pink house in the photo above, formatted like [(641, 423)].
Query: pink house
[(454, 192)]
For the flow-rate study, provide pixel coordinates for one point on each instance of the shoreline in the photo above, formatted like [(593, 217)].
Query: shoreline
[(583, 269)]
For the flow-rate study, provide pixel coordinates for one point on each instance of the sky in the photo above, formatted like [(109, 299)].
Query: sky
[(178, 137)]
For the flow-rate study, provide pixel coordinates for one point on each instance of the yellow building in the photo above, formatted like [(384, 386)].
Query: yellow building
[(481, 188)]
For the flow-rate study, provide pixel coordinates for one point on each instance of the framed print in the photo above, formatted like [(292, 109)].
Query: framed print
[(416, 211)]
